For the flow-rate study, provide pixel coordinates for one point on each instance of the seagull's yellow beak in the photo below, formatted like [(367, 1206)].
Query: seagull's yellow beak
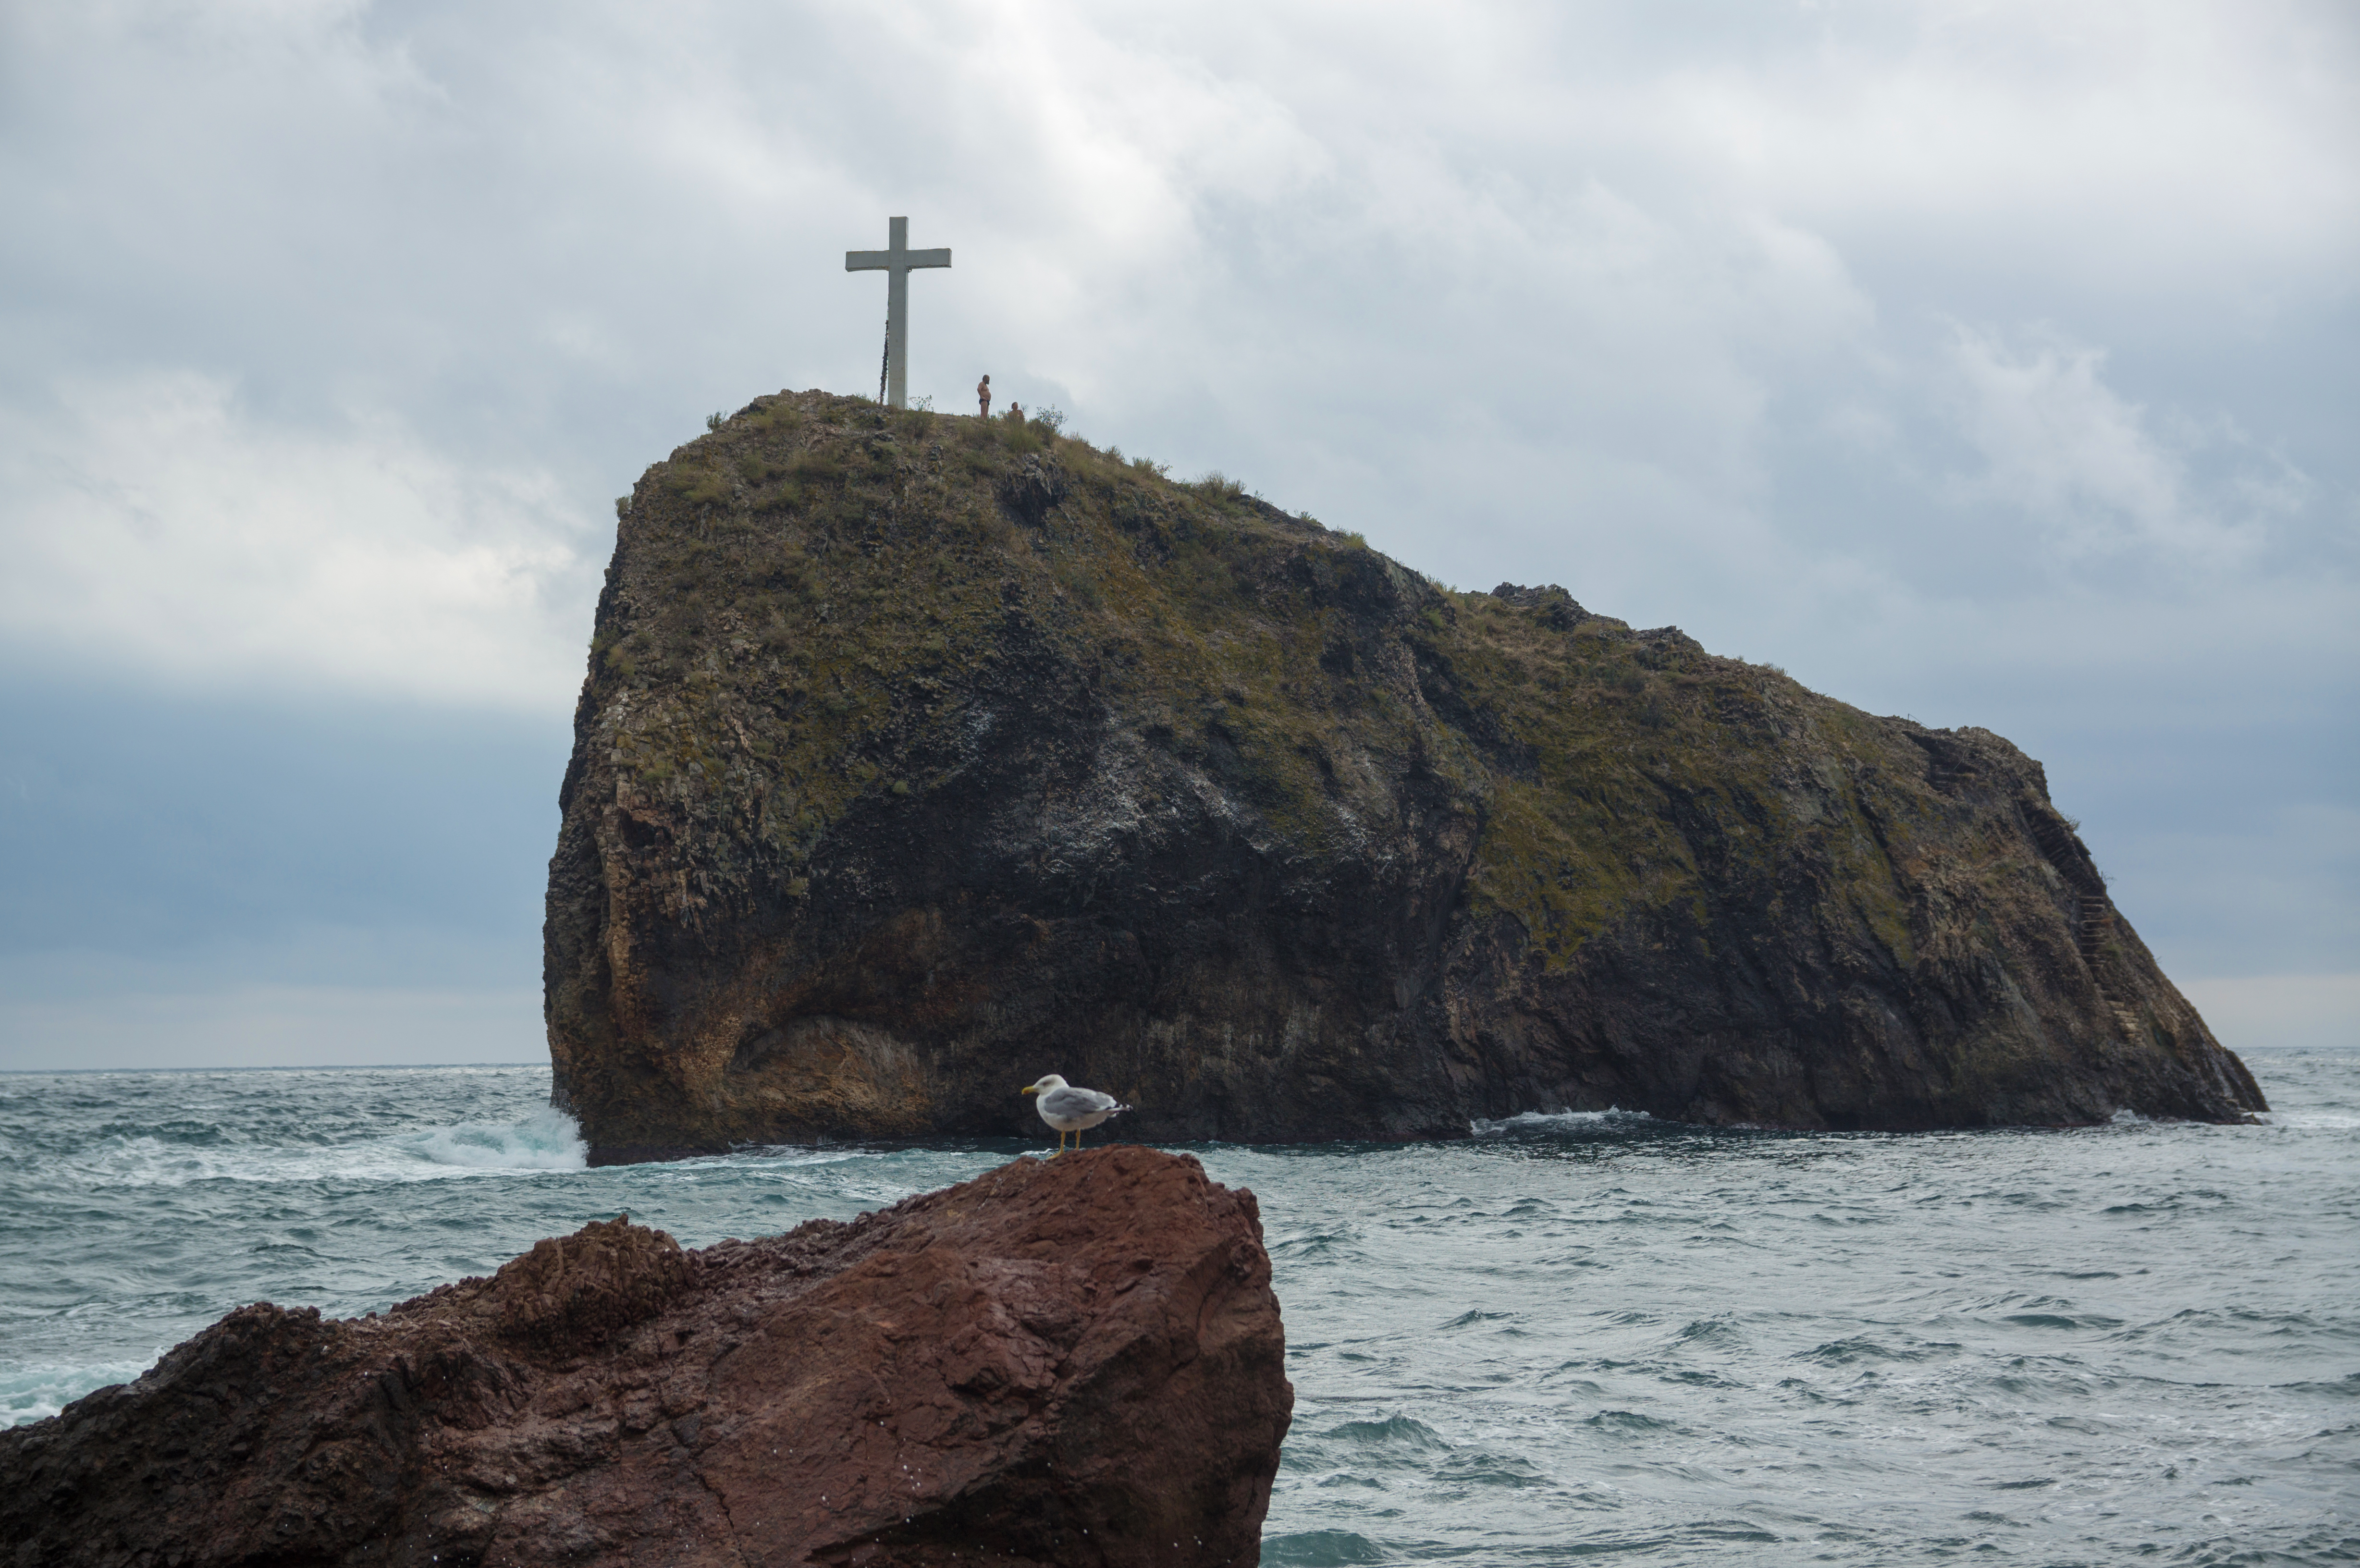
[(1030, 1089)]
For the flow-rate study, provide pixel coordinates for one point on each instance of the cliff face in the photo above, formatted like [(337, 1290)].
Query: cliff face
[(921, 755), (1069, 1362)]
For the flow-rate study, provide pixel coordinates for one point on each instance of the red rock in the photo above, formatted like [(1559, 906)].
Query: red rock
[(1079, 1361)]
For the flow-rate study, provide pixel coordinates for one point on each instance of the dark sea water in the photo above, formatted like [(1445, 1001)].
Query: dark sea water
[(1578, 1338)]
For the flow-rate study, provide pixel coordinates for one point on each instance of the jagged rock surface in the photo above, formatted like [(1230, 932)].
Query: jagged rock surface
[(921, 755), (1069, 1362)]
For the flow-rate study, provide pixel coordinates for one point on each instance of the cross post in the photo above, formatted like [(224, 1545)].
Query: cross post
[(895, 262)]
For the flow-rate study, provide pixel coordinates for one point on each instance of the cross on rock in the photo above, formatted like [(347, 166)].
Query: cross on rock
[(895, 261)]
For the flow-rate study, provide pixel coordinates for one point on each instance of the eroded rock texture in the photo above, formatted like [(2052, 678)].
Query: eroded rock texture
[(1076, 1361), (923, 755)]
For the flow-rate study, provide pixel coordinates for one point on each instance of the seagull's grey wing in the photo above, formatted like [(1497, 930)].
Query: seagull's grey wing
[(1070, 1101)]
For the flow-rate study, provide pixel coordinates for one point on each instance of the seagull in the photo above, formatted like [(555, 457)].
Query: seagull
[(1070, 1110)]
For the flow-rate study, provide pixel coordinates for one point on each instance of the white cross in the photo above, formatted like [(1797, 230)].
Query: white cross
[(895, 262)]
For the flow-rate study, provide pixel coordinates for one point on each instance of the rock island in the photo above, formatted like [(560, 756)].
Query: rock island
[(920, 755)]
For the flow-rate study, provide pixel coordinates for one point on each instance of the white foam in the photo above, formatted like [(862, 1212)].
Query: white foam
[(2310, 1121), (802, 1154), (1526, 1121), (548, 1139), (31, 1393)]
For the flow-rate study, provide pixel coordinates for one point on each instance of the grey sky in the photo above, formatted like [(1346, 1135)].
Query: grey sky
[(1993, 363)]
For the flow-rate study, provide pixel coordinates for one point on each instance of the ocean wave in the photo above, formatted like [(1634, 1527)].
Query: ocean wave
[(802, 1153), (1543, 1121), (32, 1393), (1320, 1549), (2309, 1121), (547, 1140), (1399, 1432)]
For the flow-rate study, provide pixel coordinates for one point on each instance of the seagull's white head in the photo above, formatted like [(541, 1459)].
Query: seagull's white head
[(1049, 1080)]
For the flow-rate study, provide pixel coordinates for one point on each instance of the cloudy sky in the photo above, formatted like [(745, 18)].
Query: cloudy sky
[(1993, 363)]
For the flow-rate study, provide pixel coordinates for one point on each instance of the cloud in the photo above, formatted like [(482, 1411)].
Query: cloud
[(154, 523), (2112, 121), (2088, 466), (1984, 359)]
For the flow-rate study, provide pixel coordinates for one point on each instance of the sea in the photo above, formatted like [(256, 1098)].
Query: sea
[(1591, 1338)]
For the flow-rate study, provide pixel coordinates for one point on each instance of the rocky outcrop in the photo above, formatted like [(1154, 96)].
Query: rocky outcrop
[(921, 755), (1069, 1362)]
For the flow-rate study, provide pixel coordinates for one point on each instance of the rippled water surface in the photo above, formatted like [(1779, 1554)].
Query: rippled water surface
[(1570, 1338)]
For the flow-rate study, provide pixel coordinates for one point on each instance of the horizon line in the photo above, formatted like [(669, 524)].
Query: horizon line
[(268, 1067)]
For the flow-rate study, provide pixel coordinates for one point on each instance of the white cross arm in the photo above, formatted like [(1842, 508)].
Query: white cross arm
[(886, 260)]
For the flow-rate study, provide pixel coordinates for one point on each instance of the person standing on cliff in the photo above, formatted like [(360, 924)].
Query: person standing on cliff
[(983, 398)]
